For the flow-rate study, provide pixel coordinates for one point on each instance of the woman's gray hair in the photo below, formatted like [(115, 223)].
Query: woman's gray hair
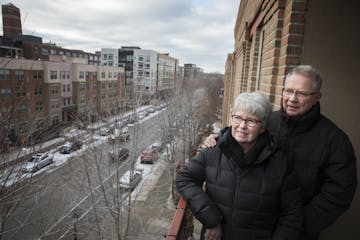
[(309, 72), (254, 103)]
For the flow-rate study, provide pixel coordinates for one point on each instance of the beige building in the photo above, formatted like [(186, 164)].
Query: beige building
[(166, 75), (273, 36)]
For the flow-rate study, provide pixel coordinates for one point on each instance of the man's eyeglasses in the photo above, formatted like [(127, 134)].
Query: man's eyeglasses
[(300, 94), (248, 121)]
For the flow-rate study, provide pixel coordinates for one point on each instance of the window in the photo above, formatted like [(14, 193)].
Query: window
[(19, 75), (20, 92), (55, 119), (103, 85), (4, 74), (94, 75), (81, 75), (67, 74), (82, 99), (53, 74), (37, 91), (64, 88), (62, 75), (54, 104), (110, 84), (68, 88), (44, 51), (102, 74), (5, 92), (37, 75), (129, 58), (22, 108), (94, 85), (82, 87), (109, 74), (38, 106), (54, 90), (141, 58)]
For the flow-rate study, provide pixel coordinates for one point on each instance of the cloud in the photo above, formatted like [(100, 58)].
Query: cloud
[(194, 31)]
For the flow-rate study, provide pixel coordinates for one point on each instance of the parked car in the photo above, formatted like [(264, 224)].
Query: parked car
[(38, 161), (159, 146), (119, 154), (104, 131), (149, 155), (122, 135), (151, 110), (129, 181), (69, 147)]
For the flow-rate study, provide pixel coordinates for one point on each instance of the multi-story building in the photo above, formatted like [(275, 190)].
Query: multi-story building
[(166, 75), (11, 21), (23, 98), (144, 73), (110, 57), (38, 95)]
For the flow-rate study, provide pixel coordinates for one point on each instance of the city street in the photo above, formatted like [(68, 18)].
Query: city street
[(79, 192)]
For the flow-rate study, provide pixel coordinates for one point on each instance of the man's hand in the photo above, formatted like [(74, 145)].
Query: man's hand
[(210, 141), (213, 233)]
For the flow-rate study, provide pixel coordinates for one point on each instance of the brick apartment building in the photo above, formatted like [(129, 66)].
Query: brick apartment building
[(273, 36), (38, 95)]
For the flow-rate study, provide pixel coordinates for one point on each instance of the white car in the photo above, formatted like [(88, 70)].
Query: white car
[(38, 161), (130, 183)]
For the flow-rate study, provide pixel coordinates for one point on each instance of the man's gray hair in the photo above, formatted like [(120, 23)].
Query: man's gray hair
[(254, 103), (309, 72)]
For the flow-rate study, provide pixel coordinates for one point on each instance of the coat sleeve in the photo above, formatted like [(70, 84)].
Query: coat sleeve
[(190, 185), (291, 215), (338, 188)]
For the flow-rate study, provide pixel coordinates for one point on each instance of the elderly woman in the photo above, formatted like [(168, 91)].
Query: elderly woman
[(251, 190)]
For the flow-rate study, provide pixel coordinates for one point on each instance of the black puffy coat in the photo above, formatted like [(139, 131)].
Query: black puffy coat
[(253, 197), (324, 162)]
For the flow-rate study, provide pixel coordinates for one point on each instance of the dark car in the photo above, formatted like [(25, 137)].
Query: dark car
[(119, 154), (70, 147), (158, 146)]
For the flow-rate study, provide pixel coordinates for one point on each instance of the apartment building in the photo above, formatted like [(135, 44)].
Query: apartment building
[(273, 36), (23, 98), (110, 57), (166, 75), (39, 95), (144, 73)]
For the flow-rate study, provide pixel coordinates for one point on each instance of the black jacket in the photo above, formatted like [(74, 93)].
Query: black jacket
[(253, 195), (324, 162)]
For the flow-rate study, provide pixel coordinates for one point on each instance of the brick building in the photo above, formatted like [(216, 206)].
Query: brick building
[(273, 36), (40, 95)]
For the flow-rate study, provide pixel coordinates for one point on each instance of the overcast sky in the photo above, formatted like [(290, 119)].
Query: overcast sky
[(193, 31)]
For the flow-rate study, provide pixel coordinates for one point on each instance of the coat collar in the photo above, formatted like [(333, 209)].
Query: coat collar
[(263, 147), (304, 122)]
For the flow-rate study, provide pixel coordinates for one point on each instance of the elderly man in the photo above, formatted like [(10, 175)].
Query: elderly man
[(324, 158)]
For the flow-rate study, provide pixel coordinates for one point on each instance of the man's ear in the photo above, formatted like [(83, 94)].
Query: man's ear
[(318, 96)]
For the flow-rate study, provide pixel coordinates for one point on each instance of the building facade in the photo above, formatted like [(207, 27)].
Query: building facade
[(272, 37), (166, 75), (39, 95)]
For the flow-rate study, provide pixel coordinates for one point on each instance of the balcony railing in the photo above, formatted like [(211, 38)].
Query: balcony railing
[(182, 226)]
